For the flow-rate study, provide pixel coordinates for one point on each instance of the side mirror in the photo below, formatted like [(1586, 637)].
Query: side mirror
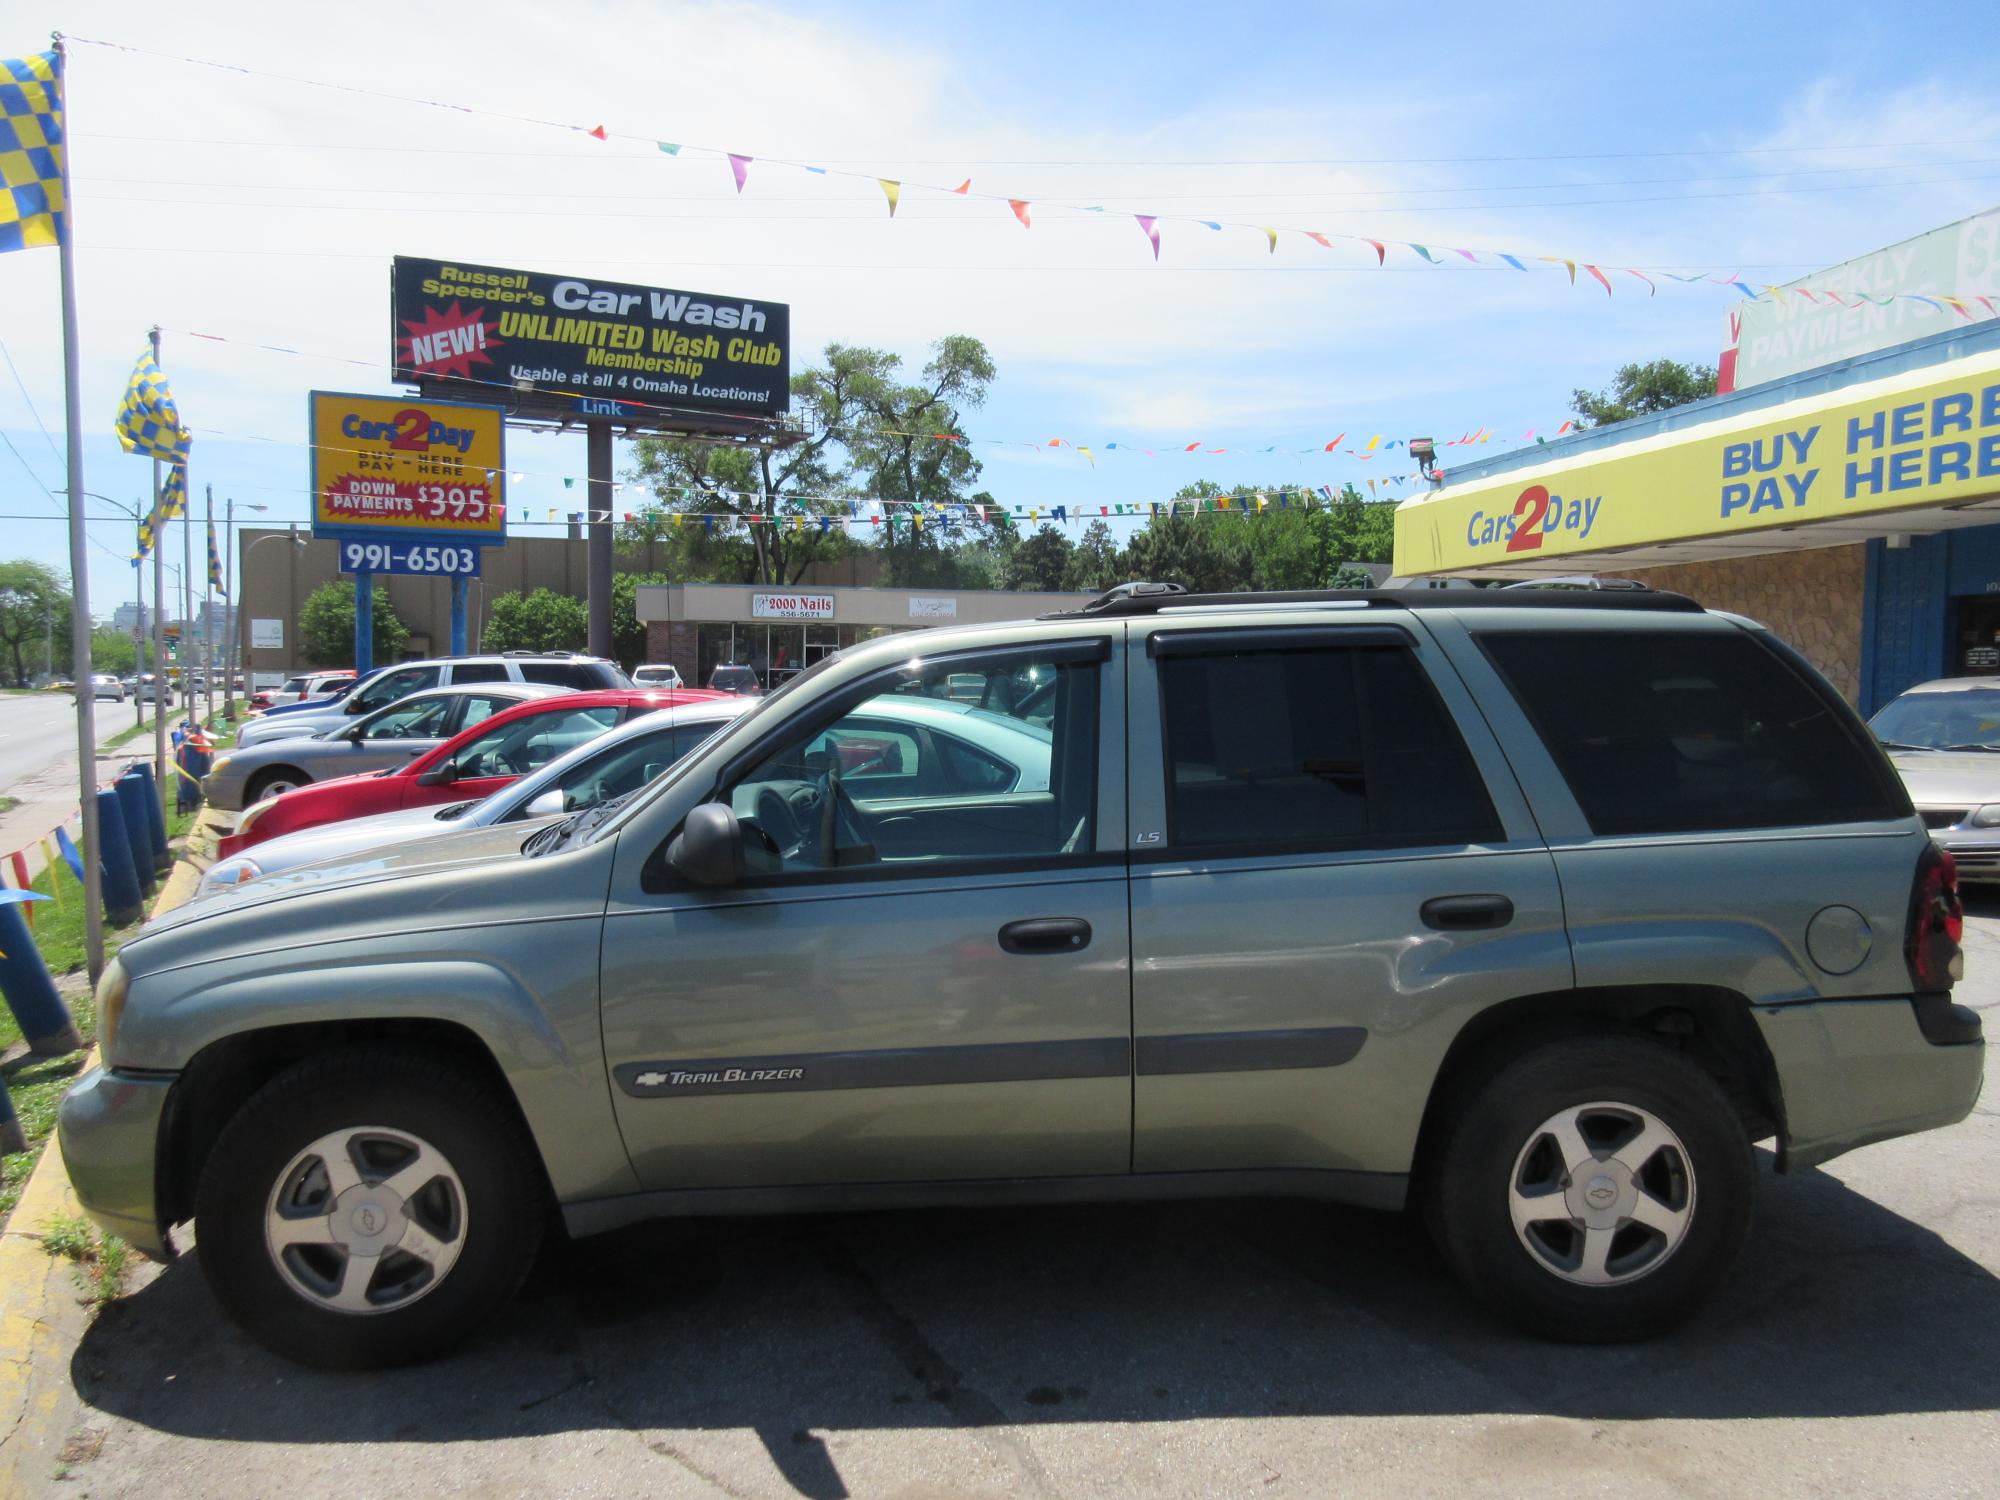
[(547, 805), (709, 848), (443, 775)]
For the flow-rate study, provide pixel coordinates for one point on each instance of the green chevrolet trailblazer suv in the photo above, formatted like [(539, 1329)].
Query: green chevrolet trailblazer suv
[(1531, 909)]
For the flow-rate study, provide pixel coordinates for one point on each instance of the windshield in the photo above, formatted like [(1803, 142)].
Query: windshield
[(734, 733), (1952, 719)]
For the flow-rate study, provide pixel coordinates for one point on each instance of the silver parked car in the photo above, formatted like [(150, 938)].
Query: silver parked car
[(1944, 739), (1533, 908), (615, 764), (373, 742)]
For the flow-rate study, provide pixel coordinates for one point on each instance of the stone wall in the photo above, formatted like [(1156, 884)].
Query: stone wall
[(1811, 598)]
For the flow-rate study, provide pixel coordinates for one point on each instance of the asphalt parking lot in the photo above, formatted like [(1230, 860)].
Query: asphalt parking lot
[(1237, 1348)]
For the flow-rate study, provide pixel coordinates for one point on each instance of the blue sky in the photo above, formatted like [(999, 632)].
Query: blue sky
[(1655, 139)]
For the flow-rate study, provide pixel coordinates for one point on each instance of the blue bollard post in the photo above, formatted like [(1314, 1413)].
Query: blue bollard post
[(31, 995), (122, 901), (138, 830), (156, 818), (11, 1137)]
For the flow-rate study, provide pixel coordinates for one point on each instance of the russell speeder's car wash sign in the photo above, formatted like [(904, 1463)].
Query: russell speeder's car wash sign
[(576, 346)]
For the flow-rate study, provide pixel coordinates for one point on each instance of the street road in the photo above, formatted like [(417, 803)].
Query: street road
[(38, 761), (1259, 1349)]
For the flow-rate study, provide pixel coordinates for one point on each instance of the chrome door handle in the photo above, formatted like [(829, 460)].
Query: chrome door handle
[(1046, 935)]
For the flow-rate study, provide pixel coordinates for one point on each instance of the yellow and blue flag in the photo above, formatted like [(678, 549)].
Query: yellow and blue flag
[(173, 496), (146, 529), (148, 421), (214, 561), (32, 210)]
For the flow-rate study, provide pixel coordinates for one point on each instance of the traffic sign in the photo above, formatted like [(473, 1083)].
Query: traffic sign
[(427, 558)]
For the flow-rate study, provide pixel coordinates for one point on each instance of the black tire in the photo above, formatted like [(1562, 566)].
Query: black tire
[(466, 1118), (1469, 1186), (260, 785)]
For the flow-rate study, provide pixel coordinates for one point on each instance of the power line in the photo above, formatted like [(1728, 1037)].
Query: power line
[(599, 154), (30, 401)]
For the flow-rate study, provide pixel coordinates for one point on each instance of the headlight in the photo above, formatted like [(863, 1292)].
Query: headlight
[(255, 811), (1984, 817), (112, 987), (219, 765)]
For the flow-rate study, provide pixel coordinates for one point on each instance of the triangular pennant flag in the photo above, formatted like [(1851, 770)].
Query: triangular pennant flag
[(1333, 445), (963, 188), (1557, 260), (1319, 239), (1190, 447), (1272, 236), (669, 147), (1603, 280), (1020, 212), (1149, 225), (739, 167), (596, 132), (569, 484), (1381, 252), (1372, 442), (817, 171), (1210, 224), (1423, 251), (1468, 255), (892, 190), (1652, 290), (1512, 260)]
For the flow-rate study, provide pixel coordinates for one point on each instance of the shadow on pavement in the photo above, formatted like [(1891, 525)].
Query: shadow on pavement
[(962, 1318)]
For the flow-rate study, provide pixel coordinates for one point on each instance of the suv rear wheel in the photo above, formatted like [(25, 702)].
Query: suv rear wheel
[(1595, 1189), (370, 1207)]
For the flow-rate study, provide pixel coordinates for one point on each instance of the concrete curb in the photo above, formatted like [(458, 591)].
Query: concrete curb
[(38, 1305)]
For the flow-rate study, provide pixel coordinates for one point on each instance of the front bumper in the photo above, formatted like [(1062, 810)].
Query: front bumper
[(1857, 1071), (109, 1124)]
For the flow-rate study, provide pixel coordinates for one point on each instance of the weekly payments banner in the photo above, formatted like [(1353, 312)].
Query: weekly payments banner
[(389, 466), (1910, 446), (587, 347)]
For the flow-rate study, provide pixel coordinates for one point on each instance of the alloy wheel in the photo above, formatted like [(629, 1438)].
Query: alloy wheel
[(1602, 1193)]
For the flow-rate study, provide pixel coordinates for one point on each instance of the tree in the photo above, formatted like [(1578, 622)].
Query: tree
[(326, 624), (1041, 562), (1345, 577), (732, 512), (1097, 564), (541, 621), (34, 618), (112, 650), (906, 444), (1638, 390), (628, 632)]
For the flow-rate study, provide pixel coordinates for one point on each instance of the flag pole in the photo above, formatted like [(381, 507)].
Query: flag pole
[(159, 621), (208, 613), (79, 561)]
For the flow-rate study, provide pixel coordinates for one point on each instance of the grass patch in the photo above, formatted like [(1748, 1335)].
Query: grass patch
[(36, 1089), (100, 1265), (125, 736), (8, 804)]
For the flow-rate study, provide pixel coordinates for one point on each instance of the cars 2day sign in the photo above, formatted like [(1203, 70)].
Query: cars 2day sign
[(387, 466), (576, 346)]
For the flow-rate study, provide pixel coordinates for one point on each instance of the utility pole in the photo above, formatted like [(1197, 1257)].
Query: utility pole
[(228, 594), (208, 615)]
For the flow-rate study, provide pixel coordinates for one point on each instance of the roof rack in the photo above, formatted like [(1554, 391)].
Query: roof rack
[(1152, 598)]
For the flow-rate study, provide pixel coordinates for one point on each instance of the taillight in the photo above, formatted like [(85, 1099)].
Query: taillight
[(1937, 922)]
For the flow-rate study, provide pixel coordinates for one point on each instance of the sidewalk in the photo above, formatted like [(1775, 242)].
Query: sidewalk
[(42, 1316)]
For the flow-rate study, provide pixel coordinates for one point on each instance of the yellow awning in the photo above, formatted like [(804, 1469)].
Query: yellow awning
[(1910, 451)]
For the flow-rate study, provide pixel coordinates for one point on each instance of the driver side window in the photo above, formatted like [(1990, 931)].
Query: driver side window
[(413, 721), (882, 783)]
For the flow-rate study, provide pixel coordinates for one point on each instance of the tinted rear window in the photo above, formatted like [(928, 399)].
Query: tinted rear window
[(1315, 748), (1681, 731)]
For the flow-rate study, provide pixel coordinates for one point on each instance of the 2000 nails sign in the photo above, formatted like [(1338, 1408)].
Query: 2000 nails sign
[(580, 346)]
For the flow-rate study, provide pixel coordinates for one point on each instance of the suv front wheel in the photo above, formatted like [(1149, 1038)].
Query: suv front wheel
[(369, 1207), (1594, 1189)]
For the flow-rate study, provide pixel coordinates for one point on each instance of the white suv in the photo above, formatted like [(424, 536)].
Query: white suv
[(556, 668)]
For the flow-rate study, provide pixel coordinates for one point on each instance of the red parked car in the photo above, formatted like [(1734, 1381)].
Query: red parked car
[(479, 760)]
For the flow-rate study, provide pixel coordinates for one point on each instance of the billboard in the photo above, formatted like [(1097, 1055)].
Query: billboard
[(567, 346), (1912, 445), (1774, 338), (387, 467)]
